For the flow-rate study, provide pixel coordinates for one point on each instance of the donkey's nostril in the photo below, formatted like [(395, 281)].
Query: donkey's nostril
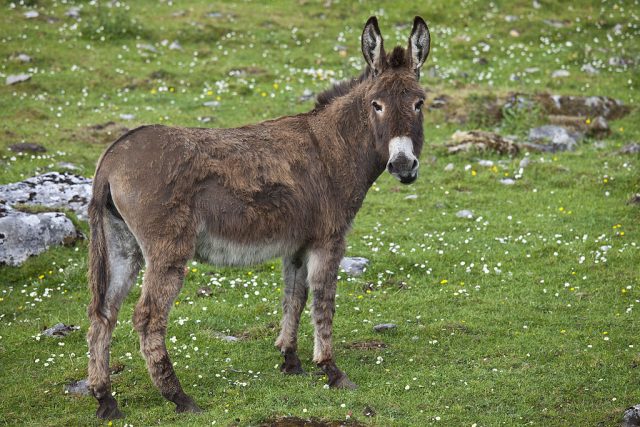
[(390, 167), (414, 165)]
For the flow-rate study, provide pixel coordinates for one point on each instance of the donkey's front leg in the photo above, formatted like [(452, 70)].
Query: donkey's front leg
[(322, 268)]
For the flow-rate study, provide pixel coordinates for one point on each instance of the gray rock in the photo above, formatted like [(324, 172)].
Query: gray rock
[(600, 145), (68, 166), (631, 416), (23, 57), (127, 116), (24, 234), (526, 161), (17, 78), (307, 95), (449, 167), (204, 291), (485, 163), (632, 148), (60, 330), (147, 47), (560, 74), (227, 338), (211, 104), (78, 388), (554, 138), (589, 69), (52, 190), (354, 266), (73, 12), (31, 14), (520, 102), (507, 181), (411, 197), (384, 327), (554, 23), (599, 127), (619, 61), (465, 213)]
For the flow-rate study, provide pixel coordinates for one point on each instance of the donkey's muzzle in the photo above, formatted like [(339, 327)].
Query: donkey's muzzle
[(404, 168)]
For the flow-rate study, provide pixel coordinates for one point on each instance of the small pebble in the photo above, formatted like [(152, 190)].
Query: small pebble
[(465, 213), (384, 326)]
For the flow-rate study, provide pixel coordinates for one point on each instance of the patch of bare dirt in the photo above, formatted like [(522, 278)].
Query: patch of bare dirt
[(103, 133), (487, 109), (311, 422), (27, 147), (481, 141), (244, 71), (582, 106), (367, 345)]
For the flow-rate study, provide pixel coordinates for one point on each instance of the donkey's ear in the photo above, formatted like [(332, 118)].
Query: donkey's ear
[(419, 44), (372, 45)]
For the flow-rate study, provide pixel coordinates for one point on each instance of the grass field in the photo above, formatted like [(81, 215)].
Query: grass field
[(526, 314)]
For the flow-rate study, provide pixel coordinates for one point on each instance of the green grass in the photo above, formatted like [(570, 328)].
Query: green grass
[(515, 317)]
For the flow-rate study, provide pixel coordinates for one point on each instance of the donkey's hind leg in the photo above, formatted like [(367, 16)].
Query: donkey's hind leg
[(162, 283), (294, 272), (124, 261)]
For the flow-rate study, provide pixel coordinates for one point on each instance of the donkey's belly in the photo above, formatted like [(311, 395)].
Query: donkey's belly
[(222, 252)]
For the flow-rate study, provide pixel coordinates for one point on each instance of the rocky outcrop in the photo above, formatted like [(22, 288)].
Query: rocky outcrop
[(24, 234), (50, 190), (26, 228)]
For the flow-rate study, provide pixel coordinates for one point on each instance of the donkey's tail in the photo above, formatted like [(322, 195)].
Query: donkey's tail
[(98, 255)]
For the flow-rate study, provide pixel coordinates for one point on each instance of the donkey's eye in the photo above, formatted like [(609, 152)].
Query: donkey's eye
[(376, 106), (418, 105)]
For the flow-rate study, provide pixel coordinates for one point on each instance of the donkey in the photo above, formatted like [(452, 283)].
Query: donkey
[(288, 187)]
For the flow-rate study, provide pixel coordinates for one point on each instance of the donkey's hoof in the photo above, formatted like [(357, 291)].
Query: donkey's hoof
[(337, 378), (108, 410), (188, 407), (291, 364), (292, 370), (343, 382)]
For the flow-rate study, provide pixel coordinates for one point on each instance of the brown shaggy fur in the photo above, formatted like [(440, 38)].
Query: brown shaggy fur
[(288, 187)]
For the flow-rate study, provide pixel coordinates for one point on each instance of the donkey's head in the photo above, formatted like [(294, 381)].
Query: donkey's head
[(394, 97)]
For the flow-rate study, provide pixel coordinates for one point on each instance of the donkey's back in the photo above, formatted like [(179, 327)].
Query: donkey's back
[(258, 184)]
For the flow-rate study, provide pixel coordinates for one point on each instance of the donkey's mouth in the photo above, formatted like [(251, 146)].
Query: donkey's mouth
[(407, 178)]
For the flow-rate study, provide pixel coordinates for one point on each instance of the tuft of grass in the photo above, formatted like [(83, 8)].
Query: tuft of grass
[(518, 119), (112, 22)]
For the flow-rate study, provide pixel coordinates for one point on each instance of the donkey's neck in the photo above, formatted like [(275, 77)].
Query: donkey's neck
[(348, 144)]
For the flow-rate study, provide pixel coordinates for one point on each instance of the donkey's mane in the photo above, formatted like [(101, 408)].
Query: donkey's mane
[(397, 59), (340, 89)]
